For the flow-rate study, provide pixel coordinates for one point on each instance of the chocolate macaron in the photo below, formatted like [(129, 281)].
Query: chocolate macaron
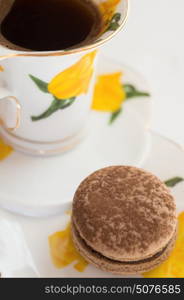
[(124, 220)]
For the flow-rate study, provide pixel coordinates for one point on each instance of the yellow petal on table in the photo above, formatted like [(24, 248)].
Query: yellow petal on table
[(75, 80), (173, 267), (5, 150), (63, 252), (1, 69), (109, 93)]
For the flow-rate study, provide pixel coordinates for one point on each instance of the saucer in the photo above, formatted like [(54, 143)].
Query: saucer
[(166, 160), (36, 186)]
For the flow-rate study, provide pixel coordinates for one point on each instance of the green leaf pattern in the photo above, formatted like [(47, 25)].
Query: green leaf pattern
[(131, 92), (114, 115), (174, 181), (56, 104), (59, 104), (42, 85), (114, 22)]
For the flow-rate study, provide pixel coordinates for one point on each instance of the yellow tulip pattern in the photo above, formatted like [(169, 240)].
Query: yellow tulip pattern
[(110, 94), (66, 86), (111, 18), (75, 80)]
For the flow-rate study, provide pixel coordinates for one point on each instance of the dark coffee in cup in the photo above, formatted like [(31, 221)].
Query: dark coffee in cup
[(47, 25)]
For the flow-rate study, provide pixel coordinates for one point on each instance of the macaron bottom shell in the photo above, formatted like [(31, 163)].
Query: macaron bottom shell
[(117, 267)]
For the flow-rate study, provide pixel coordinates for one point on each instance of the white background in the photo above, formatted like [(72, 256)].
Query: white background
[(152, 42)]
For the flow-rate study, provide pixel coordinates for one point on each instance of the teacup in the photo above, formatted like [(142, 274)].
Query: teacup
[(46, 96)]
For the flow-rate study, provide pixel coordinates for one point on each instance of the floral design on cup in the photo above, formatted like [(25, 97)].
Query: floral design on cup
[(111, 17), (110, 94), (66, 86)]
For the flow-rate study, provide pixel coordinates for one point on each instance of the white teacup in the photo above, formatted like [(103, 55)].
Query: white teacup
[(46, 96)]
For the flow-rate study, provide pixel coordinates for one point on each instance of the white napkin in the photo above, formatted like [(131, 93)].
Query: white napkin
[(15, 257)]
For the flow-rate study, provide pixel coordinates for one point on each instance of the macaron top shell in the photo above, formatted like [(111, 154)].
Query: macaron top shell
[(124, 213)]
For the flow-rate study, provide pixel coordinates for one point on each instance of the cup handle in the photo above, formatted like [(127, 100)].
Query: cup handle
[(5, 96)]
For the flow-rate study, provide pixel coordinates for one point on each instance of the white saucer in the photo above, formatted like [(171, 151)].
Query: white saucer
[(41, 186), (166, 160)]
